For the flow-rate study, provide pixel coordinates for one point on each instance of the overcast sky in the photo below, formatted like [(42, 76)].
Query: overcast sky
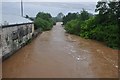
[(32, 8), (50, 0)]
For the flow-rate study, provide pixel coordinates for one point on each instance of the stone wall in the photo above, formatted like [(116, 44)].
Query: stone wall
[(15, 37), (0, 42)]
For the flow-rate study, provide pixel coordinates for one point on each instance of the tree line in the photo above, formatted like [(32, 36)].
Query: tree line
[(43, 21), (103, 26)]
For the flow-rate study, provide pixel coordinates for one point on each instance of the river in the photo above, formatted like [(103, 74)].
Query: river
[(56, 54)]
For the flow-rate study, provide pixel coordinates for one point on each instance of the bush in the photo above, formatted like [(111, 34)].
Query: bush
[(73, 27), (69, 17), (43, 24), (43, 21), (86, 28), (90, 30), (112, 36), (97, 33), (102, 27)]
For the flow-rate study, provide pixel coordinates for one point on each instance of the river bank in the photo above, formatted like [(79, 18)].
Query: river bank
[(55, 54)]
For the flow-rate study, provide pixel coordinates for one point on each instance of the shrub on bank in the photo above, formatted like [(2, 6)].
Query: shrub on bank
[(73, 27), (88, 29), (43, 21)]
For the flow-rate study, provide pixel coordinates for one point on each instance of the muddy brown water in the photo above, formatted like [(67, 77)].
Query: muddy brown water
[(56, 54)]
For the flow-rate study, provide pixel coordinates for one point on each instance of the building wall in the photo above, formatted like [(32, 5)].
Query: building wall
[(14, 37), (0, 42)]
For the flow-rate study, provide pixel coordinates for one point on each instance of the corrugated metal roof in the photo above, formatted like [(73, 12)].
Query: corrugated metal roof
[(13, 19)]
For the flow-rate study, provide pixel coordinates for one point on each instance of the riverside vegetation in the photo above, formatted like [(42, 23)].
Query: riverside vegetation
[(103, 26), (43, 21)]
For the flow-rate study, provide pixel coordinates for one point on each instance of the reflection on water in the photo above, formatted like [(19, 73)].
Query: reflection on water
[(58, 54)]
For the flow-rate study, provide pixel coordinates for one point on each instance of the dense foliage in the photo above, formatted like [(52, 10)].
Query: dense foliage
[(73, 27), (43, 21), (102, 27), (73, 24), (69, 17)]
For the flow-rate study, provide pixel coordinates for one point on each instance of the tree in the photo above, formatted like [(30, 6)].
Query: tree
[(43, 15), (69, 17), (60, 15), (58, 18), (43, 21), (105, 26), (102, 9), (108, 21), (114, 11), (109, 12), (84, 15)]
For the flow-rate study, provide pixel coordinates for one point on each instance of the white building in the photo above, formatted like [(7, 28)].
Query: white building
[(15, 33), (0, 42)]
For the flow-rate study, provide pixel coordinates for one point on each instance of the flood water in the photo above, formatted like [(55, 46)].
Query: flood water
[(56, 54)]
